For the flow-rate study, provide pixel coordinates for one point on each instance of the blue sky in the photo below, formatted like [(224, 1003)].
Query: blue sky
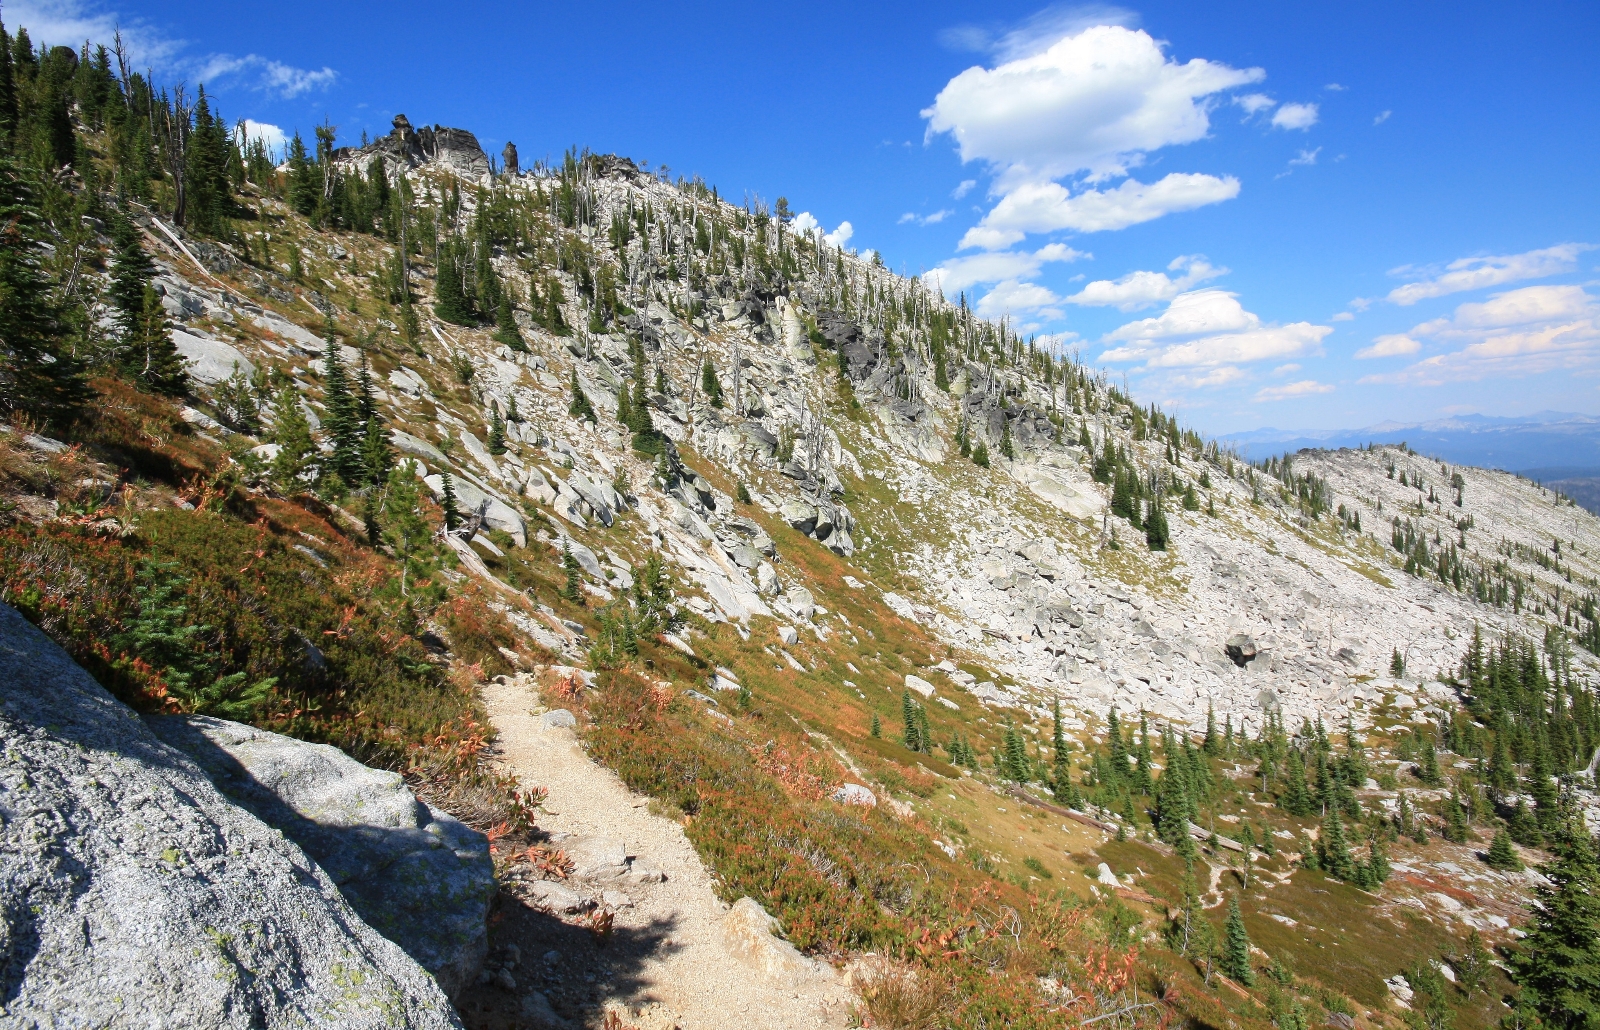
[(1261, 214)]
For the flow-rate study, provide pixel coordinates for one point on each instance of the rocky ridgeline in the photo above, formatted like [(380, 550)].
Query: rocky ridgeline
[(1020, 565)]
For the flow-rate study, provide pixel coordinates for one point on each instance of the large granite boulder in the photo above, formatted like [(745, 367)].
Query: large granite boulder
[(133, 893), (414, 873)]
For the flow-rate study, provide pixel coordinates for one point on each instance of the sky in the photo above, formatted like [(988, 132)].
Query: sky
[(1291, 215)]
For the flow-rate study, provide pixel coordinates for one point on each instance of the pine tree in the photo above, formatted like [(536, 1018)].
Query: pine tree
[(980, 455), (447, 501), (877, 726), (1007, 448), (1236, 947), (1213, 743), (38, 375), (1428, 765), (342, 422), (1191, 502), (1156, 534), (497, 434), (150, 357), (1558, 964), (710, 384), (405, 529), (1503, 854), (505, 326), (910, 733), (580, 408), (572, 588), (1333, 850), (1297, 799), (297, 455)]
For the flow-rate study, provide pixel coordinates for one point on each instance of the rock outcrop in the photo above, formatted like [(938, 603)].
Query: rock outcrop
[(135, 894), (406, 148), (412, 872)]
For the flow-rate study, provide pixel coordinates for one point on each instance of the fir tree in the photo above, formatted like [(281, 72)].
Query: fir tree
[(572, 588), (505, 326), (1557, 964), (405, 529), (580, 408), (497, 434), (1007, 448), (1213, 743), (342, 422), (910, 734), (1297, 799), (1236, 947), (980, 455), (296, 459), (877, 726), (1503, 854), (38, 375), (1156, 534), (447, 501), (710, 384), (1333, 851)]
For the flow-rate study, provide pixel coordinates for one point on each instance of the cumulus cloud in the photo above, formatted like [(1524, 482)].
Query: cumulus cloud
[(1295, 116), (1254, 103), (1304, 388), (1141, 289), (1393, 345), (1013, 298), (1048, 207), (1208, 328), (1094, 102), (804, 222), (1521, 332), (1479, 272), (960, 273), (963, 188), (840, 236), (271, 135)]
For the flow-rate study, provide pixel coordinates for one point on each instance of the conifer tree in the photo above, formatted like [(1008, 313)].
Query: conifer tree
[(580, 408), (980, 455), (1213, 743), (1333, 850), (1236, 947), (877, 726), (38, 375), (505, 326), (447, 501), (497, 434), (572, 588), (1156, 534), (910, 733), (297, 451), (404, 527), (1297, 799), (1007, 448), (1557, 964), (342, 422), (710, 384), (1502, 854)]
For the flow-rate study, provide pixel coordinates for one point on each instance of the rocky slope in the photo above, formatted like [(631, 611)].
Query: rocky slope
[(1019, 564)]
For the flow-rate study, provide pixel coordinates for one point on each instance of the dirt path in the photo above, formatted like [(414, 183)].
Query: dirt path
[(668, 954)]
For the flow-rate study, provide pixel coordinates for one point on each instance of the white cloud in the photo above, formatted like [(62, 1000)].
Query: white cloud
[(1048, 207), (1343, 316), (963, 188), (1219, 331), (1334, 87), (1480, 272), (1095, 101), (267, 133), (805, 221), (1307, 157), (1304, 388), (1390, 346), (1011, 297), (1283, 370), (1295, 116), (1038, 31), (1141, 289), (933, 219), (959, 273), (70, 22), (840, 236), (1521, 332), (265, 75), (1254, 103), (1191, 314), (1382, 117)]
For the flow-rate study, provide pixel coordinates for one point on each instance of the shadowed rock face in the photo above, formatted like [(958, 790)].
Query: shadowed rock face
[(135, 894), (412, 872)]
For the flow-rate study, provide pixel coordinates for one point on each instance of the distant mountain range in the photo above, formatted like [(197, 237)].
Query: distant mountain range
[(1556, 444)]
